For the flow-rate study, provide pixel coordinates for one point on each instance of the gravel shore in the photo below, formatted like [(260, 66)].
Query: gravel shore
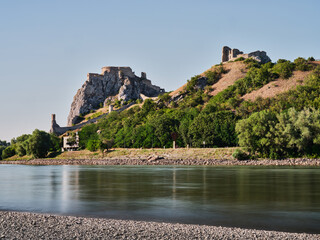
[(19, 225), (158, 160)]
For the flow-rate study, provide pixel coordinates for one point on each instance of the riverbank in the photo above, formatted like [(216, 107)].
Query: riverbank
[(158, 160), (191, 156), (20, 225)]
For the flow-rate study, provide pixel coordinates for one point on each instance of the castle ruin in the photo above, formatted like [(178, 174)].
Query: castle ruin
[(229, 54)]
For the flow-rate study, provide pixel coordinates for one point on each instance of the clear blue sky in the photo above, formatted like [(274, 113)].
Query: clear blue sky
[(48, 47)]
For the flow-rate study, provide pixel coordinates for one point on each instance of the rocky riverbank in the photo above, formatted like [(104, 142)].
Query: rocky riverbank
[(158, 160), (17, 225)]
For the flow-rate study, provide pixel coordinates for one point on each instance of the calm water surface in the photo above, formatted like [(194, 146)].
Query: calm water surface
[(281, 198)]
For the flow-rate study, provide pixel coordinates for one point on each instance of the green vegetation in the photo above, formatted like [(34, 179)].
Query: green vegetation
[(3, 146), (38, 145), (290, 133), (8, 152), (283, 68), (199, 120), (97, 114), (302, 64), (287, 125), (240, 155)]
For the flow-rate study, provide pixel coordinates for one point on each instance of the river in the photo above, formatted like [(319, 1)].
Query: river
[(272, 198)]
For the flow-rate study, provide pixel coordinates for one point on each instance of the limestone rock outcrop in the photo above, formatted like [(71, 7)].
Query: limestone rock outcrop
[(229, 54), (113, 82)]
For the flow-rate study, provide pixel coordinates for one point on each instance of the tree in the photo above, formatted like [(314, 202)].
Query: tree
[(1, 150), (106, 144), (20, 150), (22, 145), (93, 145), (258, 135), (4, 143), (39, 144), (88, 132), (163, 124), (300, 131), (8, 152), (215, 129)]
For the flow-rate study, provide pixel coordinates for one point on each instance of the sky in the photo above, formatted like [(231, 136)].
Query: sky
[(48, 47)]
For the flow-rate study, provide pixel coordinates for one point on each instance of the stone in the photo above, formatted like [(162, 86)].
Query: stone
[(113, 83), (229, 54)]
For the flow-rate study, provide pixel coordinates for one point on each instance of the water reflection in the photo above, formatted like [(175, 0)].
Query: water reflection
[(261, 197)]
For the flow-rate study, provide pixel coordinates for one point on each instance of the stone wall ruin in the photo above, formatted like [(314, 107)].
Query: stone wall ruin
[(229, 54)]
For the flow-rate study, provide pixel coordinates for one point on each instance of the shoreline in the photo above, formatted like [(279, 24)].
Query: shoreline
[(23, 225), (164, 161)]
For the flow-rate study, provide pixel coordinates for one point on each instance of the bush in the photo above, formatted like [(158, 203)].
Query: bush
[(212, 77), (192, 83), (106, 144), (239, 59), (8, 152), (240, 155), (93, 145), (1, 150), (283, 68), (302, 64), (20, 150), (251, 63)]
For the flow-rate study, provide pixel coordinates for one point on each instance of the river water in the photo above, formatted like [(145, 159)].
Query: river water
[(273, 198)]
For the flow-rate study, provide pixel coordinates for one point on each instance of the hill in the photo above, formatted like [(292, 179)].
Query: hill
[(206, 110), (272, 109)]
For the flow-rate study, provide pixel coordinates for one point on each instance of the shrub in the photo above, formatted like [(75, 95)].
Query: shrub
[(311, 59), (93, 145), (8, 152), (302, 64), (1, 150), (239, 59), (192, 84), (240, 155), (20, 150), (106, 144), (251, 63), (283, 68), (212, 77)]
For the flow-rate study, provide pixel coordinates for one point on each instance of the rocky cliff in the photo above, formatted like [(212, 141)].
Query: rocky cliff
[(113, 83)]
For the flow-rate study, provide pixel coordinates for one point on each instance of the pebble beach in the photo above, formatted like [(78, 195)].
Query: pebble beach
[(158, 160), (21, 225)]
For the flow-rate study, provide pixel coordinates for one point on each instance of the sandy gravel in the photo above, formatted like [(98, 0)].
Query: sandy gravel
[(165, 161), (16, 225)]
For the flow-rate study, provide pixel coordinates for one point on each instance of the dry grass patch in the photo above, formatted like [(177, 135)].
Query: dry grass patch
[(236, 70), (180, 153), (278, 86)]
